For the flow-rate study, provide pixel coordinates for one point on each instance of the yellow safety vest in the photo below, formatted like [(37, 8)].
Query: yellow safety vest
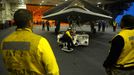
[(126, 58), (25, 53), (114, 23)]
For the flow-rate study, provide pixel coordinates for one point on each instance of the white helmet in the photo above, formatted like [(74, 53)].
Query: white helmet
[(69, 28)]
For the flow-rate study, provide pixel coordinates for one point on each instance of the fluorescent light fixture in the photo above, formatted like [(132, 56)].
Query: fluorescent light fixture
[(56, 5), (66, 0)]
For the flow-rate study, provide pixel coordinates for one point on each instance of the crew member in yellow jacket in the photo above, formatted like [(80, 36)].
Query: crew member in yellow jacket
[(25, 53), (68, 38), (120, 60)]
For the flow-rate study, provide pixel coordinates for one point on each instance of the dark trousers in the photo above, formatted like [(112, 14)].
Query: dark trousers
[(69, 41), (114, 28), (47, 28), (99, 27), (103, 28), (43, 27)]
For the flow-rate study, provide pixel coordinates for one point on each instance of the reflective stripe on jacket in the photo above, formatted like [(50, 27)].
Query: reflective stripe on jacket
[(126, 58), (25, 53)]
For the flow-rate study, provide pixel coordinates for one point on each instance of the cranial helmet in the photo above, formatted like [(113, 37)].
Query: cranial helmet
[(69, 28)]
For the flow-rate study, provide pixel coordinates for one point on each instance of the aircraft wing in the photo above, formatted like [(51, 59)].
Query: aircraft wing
[(76, 8)]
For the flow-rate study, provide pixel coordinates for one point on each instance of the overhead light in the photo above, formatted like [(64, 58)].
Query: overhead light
[(75, 4), (56, 5), (66, 0), (42, 1)]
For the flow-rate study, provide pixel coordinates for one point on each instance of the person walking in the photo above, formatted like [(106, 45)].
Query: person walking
[(114, 26), (43, 25), (57, 27), (103, 25), (26, 53), (99, 25), (120, 59), (47, 24)]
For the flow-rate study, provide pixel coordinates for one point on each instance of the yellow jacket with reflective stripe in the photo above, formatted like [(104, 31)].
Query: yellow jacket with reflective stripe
[(127, 56), (68, 33), (114, 23), (39, 60)]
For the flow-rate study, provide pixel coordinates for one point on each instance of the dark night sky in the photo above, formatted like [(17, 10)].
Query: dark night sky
[(130, 11)]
